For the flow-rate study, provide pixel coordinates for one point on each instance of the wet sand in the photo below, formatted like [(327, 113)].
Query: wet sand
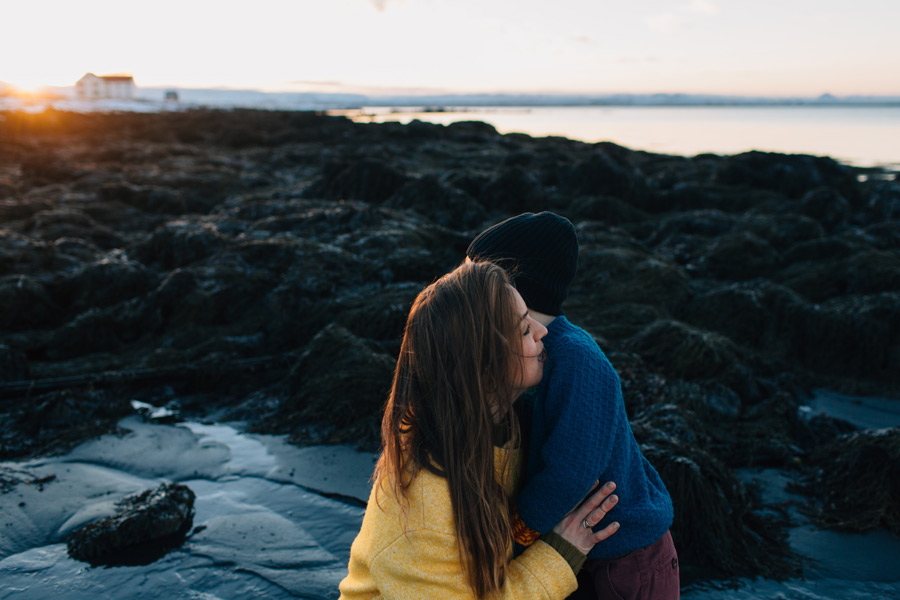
[(271, 519)]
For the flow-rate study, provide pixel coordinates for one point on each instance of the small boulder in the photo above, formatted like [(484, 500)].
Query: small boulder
[(146, 527)]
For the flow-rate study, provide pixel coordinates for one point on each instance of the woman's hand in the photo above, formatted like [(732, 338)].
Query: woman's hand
[(577, 526)]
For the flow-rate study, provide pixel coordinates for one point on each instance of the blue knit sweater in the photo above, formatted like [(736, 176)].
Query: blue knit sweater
[(580, 434)]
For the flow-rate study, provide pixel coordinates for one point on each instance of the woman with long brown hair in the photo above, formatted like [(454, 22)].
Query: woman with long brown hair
[(439, 519)]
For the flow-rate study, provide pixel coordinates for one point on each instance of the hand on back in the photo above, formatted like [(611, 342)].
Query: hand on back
[(577, 526)]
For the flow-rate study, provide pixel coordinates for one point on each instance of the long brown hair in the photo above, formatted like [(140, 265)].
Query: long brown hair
[(457, 368)]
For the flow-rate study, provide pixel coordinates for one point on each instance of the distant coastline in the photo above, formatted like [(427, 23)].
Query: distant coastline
[(319, 100), (629, 100)]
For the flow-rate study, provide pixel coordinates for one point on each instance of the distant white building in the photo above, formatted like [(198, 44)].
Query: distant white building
[(98, 87)]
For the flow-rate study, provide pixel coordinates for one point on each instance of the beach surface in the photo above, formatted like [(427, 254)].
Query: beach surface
[(270, 520), (276, 520)]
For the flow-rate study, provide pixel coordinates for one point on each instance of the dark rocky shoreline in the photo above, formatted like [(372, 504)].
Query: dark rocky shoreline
[(258, 266)]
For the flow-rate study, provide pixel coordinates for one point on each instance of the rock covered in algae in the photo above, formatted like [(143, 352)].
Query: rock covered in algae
[(856, 479), (716, 529), (338, 378), (146, 527)]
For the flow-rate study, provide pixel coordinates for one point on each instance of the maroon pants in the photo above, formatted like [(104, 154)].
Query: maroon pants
[(650, 573)]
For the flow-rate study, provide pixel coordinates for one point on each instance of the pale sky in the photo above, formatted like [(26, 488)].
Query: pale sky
[(745, 47)]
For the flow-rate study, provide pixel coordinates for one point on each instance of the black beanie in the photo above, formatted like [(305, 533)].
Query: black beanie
[(539, 251)]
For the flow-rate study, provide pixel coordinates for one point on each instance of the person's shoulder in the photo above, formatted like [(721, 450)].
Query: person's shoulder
[(430, 506), (578, 350), (574, 339)]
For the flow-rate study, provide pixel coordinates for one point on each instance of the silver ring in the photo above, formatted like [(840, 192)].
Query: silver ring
[(585, 524)]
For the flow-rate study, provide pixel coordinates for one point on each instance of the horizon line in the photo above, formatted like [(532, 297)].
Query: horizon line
[(399, 92)]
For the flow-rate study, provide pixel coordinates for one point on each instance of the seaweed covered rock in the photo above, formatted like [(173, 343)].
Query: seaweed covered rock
[(13, 208), (609, 276), (791, 175), (42, 167), (738, 257), (606, 171), (56, 421), (101, 284), (364, 179), (180, 243), (694, 195), (447, 205), (855, 482), (716, 529), (865, 272), (760, 435), (607, 209), (13, 366), (69, 222), (335, 392), (684, 352), (642, 387), (145, 527), (827, 206), (816, 431), (21, 254), (883, 202), (685, 237), (100, 329), (25, 304), (783, 230), (754, 313), (146, 198), (854, 336), (378, 315), (514, 190)]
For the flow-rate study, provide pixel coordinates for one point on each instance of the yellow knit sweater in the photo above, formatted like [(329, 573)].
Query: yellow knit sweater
[(422, 560)]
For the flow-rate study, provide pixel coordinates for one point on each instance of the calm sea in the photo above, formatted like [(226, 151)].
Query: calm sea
[(858, 135)]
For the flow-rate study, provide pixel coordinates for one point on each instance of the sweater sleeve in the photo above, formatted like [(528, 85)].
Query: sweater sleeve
[(426, 564), (569, 552), (578, 418)]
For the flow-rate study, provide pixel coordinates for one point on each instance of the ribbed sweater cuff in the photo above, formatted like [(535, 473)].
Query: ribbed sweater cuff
[(569, 552)]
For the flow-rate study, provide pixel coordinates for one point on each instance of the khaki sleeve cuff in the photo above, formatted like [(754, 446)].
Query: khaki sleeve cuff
[(570, 553)]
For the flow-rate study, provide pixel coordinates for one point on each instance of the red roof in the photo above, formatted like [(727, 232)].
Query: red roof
[(117, 78)]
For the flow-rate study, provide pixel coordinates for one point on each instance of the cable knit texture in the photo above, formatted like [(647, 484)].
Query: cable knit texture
[(580, 434), (421, 559)]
